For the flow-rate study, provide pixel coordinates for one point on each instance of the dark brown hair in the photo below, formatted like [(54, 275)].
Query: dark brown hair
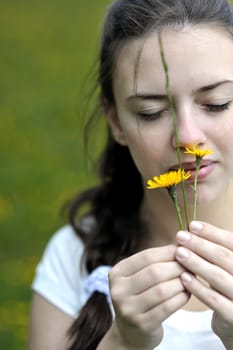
[(115, 203)]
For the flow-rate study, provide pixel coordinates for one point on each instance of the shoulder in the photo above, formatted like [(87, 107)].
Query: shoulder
[(64, 251), (65, 244), (59, 274)]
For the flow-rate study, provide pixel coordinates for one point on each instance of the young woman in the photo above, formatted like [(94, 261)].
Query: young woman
[(168, 288)]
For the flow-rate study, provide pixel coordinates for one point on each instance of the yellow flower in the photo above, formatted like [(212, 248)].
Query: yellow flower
[(172, 178), (199, 153)]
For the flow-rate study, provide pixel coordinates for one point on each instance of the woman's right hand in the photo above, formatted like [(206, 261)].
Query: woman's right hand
[(145, 289)]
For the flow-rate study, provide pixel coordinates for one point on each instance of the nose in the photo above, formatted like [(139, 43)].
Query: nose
[(190, 130)]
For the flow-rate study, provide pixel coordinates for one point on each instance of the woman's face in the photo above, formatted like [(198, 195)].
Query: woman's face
[(200, 63)]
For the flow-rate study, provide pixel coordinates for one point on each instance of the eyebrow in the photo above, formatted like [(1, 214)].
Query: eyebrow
[(147, 97), (163, 97), (214, 85)]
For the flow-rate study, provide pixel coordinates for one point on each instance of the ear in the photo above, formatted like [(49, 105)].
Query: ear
[(115, 125)]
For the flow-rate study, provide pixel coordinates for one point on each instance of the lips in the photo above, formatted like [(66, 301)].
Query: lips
[(191, 165), (207, 166)]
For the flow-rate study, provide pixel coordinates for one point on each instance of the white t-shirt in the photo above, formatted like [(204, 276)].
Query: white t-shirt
[(59, 279)]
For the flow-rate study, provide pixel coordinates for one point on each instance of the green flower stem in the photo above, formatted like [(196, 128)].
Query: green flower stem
[(198, 163), (173, 195), (174, 118)]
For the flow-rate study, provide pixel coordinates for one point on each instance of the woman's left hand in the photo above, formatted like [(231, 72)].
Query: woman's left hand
[(207, 252)]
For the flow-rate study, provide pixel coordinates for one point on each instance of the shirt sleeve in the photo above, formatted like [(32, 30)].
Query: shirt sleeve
[(59, 276)]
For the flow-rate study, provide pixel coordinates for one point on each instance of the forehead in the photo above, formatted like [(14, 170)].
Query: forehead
[(196, 56)]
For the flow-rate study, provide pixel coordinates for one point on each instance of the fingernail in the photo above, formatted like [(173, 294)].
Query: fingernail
[(182, 253), (183, 236), (186, 277), (196, 226)]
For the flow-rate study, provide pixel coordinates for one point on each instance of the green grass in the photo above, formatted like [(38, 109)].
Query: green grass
[(47, 48)]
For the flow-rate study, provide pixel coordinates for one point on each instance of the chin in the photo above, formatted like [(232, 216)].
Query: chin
[(206, 194)]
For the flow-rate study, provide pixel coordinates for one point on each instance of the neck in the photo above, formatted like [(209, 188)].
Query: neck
[(158, 206)]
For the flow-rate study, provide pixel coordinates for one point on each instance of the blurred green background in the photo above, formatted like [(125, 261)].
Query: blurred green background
[(46, 49)]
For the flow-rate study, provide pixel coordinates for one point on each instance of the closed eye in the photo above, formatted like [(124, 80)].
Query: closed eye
[(150, 116), (218, 108)]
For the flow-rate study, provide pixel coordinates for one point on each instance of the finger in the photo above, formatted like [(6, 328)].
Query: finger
[(212, 233), (212, 252), (156, 295), (216, 301), (150, 321), (161, 312), (152, 275), (142, 259), (219, 279)]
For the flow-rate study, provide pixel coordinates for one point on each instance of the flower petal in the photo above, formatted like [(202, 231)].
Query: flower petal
[(172, 178), (197, 152)]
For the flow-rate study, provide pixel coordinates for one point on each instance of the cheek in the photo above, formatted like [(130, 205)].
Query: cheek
[(148, 150), (224, 137)]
